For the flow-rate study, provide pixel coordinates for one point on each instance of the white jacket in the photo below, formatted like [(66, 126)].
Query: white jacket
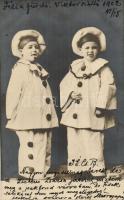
[(29, 103), (96, 84)]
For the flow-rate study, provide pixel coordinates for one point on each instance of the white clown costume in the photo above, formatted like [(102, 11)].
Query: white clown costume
[(95, 83), (30, 110)]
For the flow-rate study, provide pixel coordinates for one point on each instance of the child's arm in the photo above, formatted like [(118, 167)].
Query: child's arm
[(72, 97), (107, 94), (13, 91), (67, 93)]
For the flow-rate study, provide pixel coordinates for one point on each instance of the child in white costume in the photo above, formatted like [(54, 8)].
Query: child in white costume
[(87, 95), (29, 104)]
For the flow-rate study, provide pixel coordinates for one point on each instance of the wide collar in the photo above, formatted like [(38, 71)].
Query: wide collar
[(35, 67), (80, 68)]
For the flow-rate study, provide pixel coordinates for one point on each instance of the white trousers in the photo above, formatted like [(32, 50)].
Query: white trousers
[(85, 150), (34, 152)]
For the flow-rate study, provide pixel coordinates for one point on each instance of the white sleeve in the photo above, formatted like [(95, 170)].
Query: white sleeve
[(13, 91), (66, 89), (107, 92)]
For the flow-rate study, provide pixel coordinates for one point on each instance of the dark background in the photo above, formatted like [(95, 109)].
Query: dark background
[(58, 25)]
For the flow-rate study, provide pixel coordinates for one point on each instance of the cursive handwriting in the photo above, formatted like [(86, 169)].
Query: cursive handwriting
[(85, 189), (112, 8), (67, 187)]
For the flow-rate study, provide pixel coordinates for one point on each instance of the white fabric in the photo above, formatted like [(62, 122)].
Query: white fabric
[(41, 151), (97, 91), (26, 106), (85, 144), (91, 68)]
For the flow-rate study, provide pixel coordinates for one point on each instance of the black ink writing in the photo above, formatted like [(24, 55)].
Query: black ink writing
[(69, 189), (109, 3), (113, 12), (112, 8), (26, 6), (85, 3)]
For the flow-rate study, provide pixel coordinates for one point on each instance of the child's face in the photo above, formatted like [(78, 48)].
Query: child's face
[(30, 51), (90, 51)]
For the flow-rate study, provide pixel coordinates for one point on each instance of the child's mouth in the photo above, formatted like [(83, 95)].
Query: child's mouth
[(34, 54), (91, 55)]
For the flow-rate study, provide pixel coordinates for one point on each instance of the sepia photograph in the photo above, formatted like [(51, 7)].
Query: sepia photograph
[(62, 99)]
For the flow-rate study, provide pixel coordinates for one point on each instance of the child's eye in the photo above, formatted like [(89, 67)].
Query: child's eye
[(37, 47), (95, 47)]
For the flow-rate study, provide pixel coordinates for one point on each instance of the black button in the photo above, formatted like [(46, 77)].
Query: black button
[(31, 169), (75, 116), (44, 83), (83, 68), (80, 84), (78, 101), (30, 144), (48, 100), (30, 156), (48, 116)]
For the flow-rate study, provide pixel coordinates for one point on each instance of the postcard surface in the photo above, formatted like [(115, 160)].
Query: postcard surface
[(62, 99)]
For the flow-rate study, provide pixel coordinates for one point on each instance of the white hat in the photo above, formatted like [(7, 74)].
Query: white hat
[(17, 37), (82, 32)]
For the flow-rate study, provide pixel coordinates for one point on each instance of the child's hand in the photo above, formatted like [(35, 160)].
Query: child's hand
[(76, 96), (99, 112)]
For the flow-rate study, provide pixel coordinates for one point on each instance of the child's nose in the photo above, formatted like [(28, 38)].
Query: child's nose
[(34, 48), (90, 49)]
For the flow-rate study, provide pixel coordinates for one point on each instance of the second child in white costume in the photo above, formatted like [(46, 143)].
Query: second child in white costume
[(88, 95)]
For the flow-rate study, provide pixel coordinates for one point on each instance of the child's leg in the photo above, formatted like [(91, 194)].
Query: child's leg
[(25, 151), (76, 150), (95, 152), (34, 154), (42, 142), (48, 151), (87, 146)]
